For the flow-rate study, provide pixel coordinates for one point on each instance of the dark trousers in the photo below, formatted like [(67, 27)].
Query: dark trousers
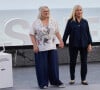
[(73, 51), (47, 68)]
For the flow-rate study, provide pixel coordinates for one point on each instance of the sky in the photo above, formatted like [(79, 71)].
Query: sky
[(34, 4)]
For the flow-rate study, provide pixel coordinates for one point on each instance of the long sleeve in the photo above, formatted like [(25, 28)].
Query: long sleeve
[(89, 36), (67, 32)]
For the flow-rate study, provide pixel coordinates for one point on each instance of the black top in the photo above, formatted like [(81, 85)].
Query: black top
[(78, 32)]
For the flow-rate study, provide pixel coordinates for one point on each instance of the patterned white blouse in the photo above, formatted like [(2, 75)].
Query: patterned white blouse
[(45, 35)]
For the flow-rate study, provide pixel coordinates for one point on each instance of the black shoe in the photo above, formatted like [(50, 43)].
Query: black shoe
[(60, 85), (84, 83), (71, 82)]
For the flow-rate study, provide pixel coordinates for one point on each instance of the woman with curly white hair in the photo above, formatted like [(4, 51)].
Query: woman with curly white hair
[(43, 35)]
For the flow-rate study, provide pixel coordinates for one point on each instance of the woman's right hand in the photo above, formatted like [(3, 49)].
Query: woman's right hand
[(36, 49)]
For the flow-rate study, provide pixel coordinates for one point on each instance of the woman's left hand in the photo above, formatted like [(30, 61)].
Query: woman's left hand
[(61, 44), (89, 48)]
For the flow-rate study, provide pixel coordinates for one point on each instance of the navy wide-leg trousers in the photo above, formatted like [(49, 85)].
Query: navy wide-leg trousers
[(47, 69)]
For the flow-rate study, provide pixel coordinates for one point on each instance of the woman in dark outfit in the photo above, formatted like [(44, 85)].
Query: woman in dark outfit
[(79, 40)]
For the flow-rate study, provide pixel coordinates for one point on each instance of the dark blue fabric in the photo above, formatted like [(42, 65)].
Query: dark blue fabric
[(73, 52), (47, 68), (78, 32)]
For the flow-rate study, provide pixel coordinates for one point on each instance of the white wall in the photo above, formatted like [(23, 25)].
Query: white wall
[(16, 16)]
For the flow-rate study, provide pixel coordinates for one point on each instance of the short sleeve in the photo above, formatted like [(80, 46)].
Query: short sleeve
[(32, 29), (56, 27)]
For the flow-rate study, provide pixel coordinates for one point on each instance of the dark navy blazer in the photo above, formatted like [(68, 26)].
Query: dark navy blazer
[(78, 32)]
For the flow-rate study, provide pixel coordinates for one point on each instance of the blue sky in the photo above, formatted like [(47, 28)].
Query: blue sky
[(34, 4)]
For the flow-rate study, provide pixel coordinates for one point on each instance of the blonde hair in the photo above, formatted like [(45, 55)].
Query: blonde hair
[(73, 12), (40, 10)]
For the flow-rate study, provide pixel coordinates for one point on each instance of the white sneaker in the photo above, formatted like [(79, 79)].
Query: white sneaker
[(62, 86), (44, 87)]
